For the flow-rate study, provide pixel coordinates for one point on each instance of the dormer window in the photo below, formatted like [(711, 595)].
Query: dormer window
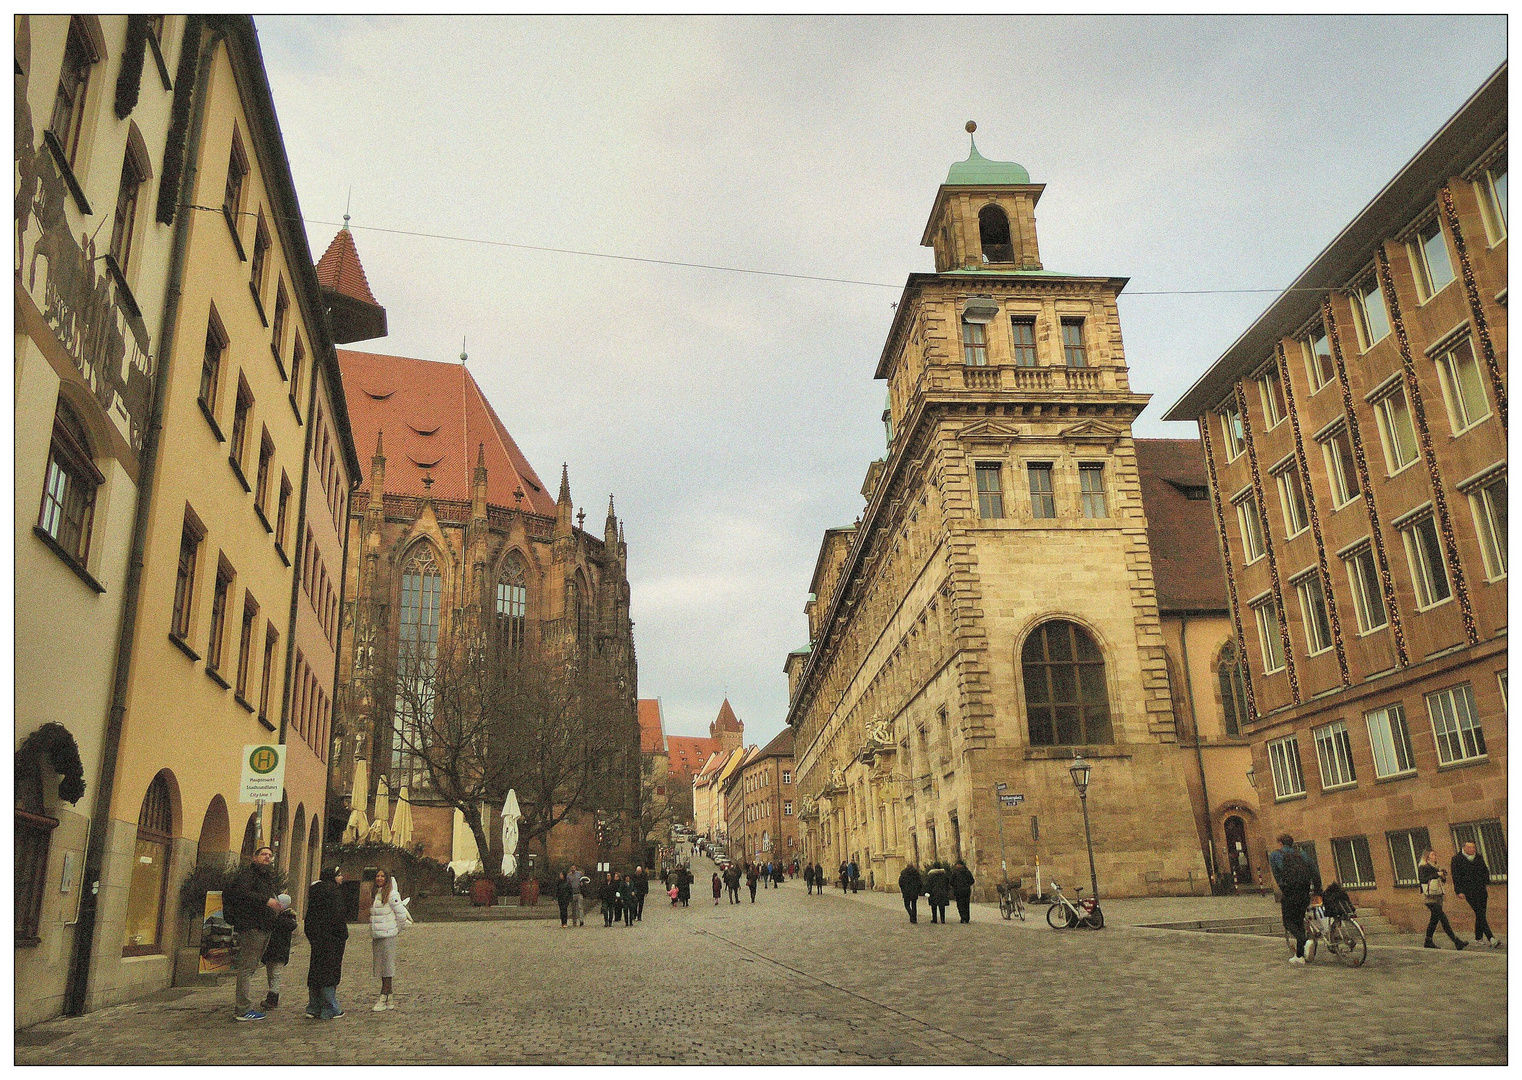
[(993, 235)]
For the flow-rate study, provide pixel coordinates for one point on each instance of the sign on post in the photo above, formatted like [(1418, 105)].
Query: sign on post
[(263, 774), (1012, 799), (1001, 786)]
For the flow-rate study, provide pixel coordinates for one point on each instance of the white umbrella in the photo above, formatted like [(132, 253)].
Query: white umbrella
[(380, 827), (510, 817), (401, 822), (358, 826)]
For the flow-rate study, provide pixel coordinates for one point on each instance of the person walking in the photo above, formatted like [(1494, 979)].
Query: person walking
[(910, 885), (641, 890), (962, 882), (855, 876), (777, 875), (752, 877), (608, 894), (563, 897), (845, 875), (327, 932), (578, 883), (626, 891), (249, 904), (819, 880), (732, 882), (277, 954), (938, 888), (1470, 880), (684, 884), (1433, 880), (718, 888), (388, 918), (808, 879), (1296, 881)]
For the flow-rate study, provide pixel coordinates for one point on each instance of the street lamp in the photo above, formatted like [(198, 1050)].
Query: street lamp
[(1079, 771), (1252, 776)]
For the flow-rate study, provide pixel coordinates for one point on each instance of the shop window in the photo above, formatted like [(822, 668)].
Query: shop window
[(150, 872)]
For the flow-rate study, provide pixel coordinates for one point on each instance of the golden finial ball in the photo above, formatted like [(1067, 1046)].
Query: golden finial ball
[(972, 125)]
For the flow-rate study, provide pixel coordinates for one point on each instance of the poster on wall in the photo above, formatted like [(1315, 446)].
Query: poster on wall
[(216, 937)]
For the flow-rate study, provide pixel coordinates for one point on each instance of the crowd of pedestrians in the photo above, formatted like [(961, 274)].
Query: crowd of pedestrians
[(940, 883)]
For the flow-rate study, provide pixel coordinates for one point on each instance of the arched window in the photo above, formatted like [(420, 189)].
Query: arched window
[(1066, 703), (993, 235), (578, 610), (417, 649), (512, 604), (1233, 689), (68, 487), (150, 871)]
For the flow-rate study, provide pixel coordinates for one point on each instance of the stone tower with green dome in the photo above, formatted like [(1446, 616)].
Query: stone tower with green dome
[(984, 216)]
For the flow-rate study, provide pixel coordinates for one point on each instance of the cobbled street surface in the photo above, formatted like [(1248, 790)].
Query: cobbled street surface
[(795, 979)]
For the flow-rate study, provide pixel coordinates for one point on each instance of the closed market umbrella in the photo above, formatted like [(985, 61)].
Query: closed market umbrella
[(401, 821), (380, 827), (358, 826)]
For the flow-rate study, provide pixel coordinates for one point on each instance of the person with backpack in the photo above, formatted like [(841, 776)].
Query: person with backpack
[(249, 904), (1296, 880), (1433, 880)]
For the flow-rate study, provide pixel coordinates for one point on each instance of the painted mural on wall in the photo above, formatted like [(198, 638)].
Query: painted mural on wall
[(79, 297)]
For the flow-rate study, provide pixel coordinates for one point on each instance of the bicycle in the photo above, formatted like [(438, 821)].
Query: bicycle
[(1064, 914), (1010, 904), (1343, 935)]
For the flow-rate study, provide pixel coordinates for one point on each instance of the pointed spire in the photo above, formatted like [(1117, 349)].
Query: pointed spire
[(480, 455), (610, 526), (563, 504), (565, 484), (378, 475)]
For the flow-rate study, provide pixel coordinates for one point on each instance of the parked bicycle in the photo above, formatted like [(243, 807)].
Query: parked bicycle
[(1330, 918), (1065, 914), (1010, 903)]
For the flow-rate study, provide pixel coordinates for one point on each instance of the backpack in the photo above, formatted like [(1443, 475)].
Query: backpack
[(1295, 873), (1337, 901)]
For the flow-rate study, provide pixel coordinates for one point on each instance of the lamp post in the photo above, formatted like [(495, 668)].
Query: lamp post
[(1252, 776), (1079, 771)]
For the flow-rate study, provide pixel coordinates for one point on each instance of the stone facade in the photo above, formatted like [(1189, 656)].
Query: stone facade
[(767, 829), (936, 615), (1355, 438)]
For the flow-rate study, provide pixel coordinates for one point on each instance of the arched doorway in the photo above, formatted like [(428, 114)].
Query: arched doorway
[(250, 840), (149, 886), (1236, 849)]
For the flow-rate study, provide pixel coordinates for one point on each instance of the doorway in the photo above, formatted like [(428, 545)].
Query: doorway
[(1236, 847)]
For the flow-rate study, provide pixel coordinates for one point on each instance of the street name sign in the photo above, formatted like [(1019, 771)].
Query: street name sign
[(263, 773), (1012, 799)]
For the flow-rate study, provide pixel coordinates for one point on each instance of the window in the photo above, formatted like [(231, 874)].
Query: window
[(246, 644), (1022, 330), (298, 353), (1368, 595), (241, 409), (1043, 503), (262, 477), (1334, 754), (282, 511), (271, 639), (185, 577), (211, 361), (1407, 847), (150, 877), (218, 616), (1491, 188), (134, 174), (1455, 725), (69, 486), (1395, 429), (1318, 630), (1354, 863), (79, 55), (787, 776), (1066, 700), (1491, 842), (1424, 552), (1072, 343), (1252, 528), (261, 256), (1390, 739), (512, 604), (277, 325), (787, 807), (1318, 359), (1292, 500), (417, 648), (1369, 314), (1341, 467), (1429, 260), (990, 490), (1232, 430), (974, 344), (1284, 761), (1463, 386), (237, 170), (1272, 392), (1233, 689), (993, 235), (1091, 486), (1488, 504), (1268, 637)]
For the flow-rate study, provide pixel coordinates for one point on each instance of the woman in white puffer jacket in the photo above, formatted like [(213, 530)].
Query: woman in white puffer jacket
[(388, 917)]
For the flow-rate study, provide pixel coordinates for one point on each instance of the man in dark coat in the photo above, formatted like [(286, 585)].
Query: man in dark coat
[(683, 884), (752, 879), (845, 875), (732, 882), (249, 904), (1471, 878), (855, 872), (327, 932), (961, 888), (563, 898), (628, 898), (808, 878), (938, 888), (608, 894), (910, 884), (819, 879), (641, 883), (1296, 880)]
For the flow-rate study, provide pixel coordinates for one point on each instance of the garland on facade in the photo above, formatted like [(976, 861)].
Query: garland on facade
[(54, 742), (1268, 546), (1429, 456), (1322, 566), (1472, 291), (1377, 539), (179, 121), (1231, 578), (129, 81)]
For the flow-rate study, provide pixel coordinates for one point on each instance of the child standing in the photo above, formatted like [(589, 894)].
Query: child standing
[(277, 953)]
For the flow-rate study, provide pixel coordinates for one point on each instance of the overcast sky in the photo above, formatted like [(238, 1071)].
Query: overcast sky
[(734, 415)]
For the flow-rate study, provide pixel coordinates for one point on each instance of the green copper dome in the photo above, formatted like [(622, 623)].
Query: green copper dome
[(979, 171)]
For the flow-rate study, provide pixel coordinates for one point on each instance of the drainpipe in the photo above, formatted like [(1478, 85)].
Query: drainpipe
[(1199, 755), (76, 992)]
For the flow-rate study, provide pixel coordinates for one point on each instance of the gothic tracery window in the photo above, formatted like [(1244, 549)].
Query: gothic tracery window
[(1066, 701), (417, 649), (512, 604), (1233, 689)]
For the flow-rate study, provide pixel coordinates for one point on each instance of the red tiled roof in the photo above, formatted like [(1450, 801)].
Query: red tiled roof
[(727, 720), (652, 732), (781, 746), (688, 754), (1186, 558), (339, 269), (434, 419)]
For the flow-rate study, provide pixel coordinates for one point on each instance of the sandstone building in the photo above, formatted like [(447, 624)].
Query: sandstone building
[(1355, 440), (994, 610), (726, 746), (767, 829)]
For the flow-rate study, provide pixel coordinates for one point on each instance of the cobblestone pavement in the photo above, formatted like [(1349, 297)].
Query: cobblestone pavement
[(826, 980)]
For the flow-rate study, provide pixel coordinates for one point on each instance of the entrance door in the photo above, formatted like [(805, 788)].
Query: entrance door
[(1236, 847)]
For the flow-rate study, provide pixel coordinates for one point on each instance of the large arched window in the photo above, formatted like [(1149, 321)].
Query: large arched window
[(578, 610), (1066, 703), (150, 871), (417, 649), (1233, 689), (512, 604), (993, 235)]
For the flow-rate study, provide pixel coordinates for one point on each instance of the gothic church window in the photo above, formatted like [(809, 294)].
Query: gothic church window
[(1066, 701), (417, 648), (1233, 689), (993, 235), (512, 604)]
